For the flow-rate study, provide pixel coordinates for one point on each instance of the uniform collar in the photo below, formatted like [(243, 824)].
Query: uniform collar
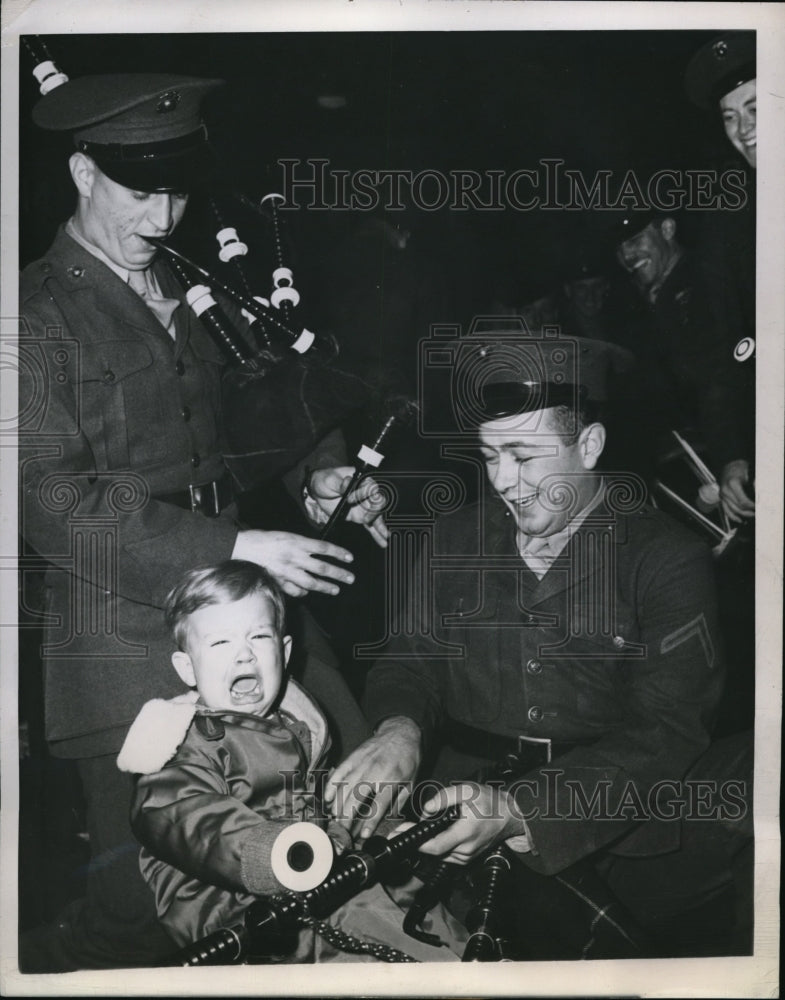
[(91, 248), (540, 553)]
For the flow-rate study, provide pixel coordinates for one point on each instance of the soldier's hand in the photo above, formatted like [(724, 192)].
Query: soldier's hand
[(376, 777), (733, 496), (488, 815), (296, 563), (366, 502)]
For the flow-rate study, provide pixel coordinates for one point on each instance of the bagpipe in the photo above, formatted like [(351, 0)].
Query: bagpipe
[(284, 386), (270, 919), (510, 911)]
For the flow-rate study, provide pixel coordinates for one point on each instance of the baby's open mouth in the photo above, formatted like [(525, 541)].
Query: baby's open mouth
[(245, 688)]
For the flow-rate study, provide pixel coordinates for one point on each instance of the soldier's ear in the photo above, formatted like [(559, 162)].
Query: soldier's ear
[(182, 664), (591, 442), (82, 169)]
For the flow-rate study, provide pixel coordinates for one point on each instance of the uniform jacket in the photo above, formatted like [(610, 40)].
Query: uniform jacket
[(680, 363), (210, 800), (616, 649), (725, 258), (115, 414)]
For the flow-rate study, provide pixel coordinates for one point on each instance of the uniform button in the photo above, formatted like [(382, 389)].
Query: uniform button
[(109, 375), (535, 714), (46, 268), (534, 667), (530, 619), (195, 461), (179, 368), (618, 641), (76, 272), (186, 414)]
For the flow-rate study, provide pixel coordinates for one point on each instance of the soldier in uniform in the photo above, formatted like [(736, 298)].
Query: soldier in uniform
[(666, 329), (590, 646), (721, 79), (122, 481)]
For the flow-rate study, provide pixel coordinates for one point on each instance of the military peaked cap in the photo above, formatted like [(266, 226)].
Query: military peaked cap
[(720, 66), (504, 374), (144, 130)]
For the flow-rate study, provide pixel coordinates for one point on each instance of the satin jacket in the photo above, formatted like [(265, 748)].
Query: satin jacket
[(215, 790), (208, 816)]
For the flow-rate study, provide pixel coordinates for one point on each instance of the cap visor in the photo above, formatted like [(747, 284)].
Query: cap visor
[(509, 399), (165, 174)]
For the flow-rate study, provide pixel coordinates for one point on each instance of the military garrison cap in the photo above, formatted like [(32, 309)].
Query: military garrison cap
[(144, 130), (505, 374), (720, 66)]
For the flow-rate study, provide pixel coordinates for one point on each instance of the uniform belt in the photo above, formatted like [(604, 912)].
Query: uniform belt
[(517, 752), (203, 498)]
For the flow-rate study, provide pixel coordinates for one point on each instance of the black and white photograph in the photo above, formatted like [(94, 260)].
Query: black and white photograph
[(391, 481)]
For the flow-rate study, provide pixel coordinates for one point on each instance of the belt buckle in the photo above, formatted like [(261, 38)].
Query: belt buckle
[(203, 502), (538, 742), (195, 493)]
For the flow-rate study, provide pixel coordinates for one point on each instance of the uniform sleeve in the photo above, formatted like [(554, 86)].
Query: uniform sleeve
[(407, 679), (185, 815), (407, 686), (725, 273), (593, 795)]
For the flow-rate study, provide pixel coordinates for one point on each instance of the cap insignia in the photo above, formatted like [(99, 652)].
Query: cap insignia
[(720, 49), (168, 102)]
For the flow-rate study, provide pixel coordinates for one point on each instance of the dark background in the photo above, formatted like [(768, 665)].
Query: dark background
[(414, 100), (609, 100)]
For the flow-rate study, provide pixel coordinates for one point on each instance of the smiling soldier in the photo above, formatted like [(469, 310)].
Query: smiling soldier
[(580, 635)]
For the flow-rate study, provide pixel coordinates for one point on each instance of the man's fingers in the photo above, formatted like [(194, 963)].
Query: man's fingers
[(360, 808), (735, 509), (315, 547), (735, 502), (442, 842), (390, 797), (330, 785), (379, 532), (346, 790), (329, 571), (444, 798), (368, 493)]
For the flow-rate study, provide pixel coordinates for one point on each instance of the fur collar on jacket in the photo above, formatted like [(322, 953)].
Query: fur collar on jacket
[(161, 726)]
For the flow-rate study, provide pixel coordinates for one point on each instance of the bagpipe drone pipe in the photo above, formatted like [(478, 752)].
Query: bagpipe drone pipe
[(284, 387), (299, 858)]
